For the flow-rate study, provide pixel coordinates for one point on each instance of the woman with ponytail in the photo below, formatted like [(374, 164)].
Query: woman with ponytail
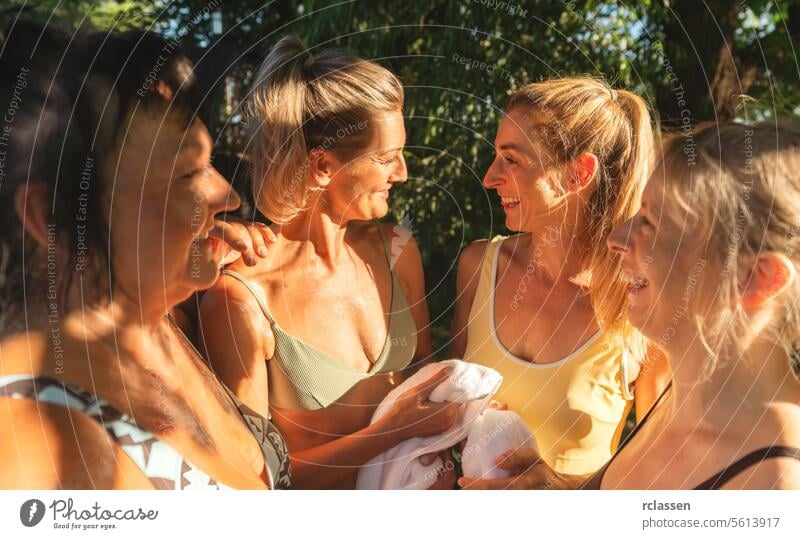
[(711, 264), (546, 307), (321, 329)]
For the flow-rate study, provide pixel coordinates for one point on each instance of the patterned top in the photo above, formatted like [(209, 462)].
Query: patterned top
[(158, 461)]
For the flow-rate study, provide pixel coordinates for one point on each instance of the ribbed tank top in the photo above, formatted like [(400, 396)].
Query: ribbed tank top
[(575, 407), (301, 376)]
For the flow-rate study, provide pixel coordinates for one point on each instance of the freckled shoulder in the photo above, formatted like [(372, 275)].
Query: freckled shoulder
[(472, 255)]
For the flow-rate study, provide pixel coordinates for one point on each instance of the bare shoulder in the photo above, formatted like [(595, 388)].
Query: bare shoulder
[(227, 295), (516, 247), (778, 473), (229, 312), (472, 255), (782, 472), (52, 447)]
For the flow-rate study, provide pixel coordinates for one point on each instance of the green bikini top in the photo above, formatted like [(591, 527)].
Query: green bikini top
[(302, 376)]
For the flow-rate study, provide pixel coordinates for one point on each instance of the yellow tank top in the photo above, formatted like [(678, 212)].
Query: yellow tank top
[(575, 407)]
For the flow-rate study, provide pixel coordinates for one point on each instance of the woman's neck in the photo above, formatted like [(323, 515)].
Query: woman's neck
[(129, 311), (323, 234), (557, 247), (739, 386)]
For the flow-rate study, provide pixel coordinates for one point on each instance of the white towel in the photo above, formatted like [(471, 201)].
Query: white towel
[(400, 467), (493, 433)]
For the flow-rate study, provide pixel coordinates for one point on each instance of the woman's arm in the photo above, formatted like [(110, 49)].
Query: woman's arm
[(237, 340), (412, 415), (467, 279), (48, 447)]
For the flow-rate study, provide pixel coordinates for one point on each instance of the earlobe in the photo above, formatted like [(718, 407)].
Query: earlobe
[(768, 278), (30, 204), (319, 167)]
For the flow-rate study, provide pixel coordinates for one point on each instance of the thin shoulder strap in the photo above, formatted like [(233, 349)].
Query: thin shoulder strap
[(255, 290), (759, 455), (595, 481), (486, 275), (641, 423)]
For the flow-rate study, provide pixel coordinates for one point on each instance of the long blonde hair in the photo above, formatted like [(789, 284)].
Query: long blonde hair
[(740, 185), (584, 114), (301, 101)]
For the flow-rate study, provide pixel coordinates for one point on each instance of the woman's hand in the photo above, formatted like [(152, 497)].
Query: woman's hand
[(530, 472), (497, 405), (243, 239), (413, 414), (446, 477)]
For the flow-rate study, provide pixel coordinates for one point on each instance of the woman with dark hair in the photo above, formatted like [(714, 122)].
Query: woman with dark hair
[(106, 165)]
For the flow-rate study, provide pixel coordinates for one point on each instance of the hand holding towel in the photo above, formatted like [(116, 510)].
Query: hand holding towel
[(400, 467), (493, 433)]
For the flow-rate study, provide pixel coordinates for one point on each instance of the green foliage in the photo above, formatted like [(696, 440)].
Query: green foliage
[(118, 14), (458, 61)]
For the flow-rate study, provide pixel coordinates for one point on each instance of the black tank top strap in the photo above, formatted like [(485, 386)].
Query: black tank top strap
[(759, 455), (641, 423), (596, 479)]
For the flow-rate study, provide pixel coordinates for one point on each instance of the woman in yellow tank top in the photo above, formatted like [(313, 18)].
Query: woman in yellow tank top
[(546, 307)]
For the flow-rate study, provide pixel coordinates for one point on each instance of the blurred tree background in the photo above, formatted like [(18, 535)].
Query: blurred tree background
[(691, 60)]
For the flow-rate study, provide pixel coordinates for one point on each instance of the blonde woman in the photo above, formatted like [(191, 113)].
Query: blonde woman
[(546, 307), (321, 329), (711, 259)]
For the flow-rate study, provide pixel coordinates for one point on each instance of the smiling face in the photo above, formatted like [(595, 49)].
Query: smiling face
[(661, 261), (522, 173), (359, 187), (165, 198)]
